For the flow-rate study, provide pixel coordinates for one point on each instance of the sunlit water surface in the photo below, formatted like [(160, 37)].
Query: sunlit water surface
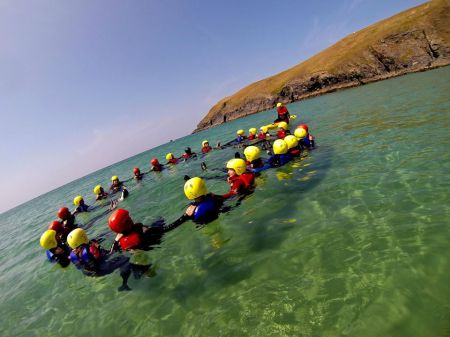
[(353, 240)]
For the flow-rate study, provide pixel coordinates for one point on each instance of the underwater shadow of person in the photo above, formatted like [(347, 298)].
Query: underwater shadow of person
[(266, 237)]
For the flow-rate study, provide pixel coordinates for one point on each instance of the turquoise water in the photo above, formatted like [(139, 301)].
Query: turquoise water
[(353, 240)]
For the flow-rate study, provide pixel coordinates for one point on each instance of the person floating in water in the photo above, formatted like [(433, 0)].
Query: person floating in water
[(89, 257), (242, 182), (171, 159), (252, 133), (137, 175), (306, 140), (240, 136), (253, 156), (68, 219), (100, 193), (78, 201), (56, 249), (293, 147), (283, 130), (188, 154), (118, 186), (283, 114), (205, 147), (155, 165), (281, 155)]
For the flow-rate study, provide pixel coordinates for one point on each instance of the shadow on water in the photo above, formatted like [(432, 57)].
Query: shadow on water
[(297, 182)]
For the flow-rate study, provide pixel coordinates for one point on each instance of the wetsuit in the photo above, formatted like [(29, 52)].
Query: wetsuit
[(277, 160), (156, 168), (190, 155), (59, 254), (206, 149), (82, 208), (101, 196), (283, 114), (242, 184)]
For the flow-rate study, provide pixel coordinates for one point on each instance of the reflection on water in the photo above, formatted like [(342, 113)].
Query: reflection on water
[(351, 240)]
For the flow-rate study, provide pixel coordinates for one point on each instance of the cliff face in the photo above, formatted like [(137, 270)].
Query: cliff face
[(414, 40)]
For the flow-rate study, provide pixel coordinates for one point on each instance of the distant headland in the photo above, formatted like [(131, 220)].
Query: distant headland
[(411, 41)]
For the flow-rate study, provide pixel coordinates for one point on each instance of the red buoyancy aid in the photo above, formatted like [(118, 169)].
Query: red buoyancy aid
[(240, 184), (206, 149), (251, 136), (281, 134), (130, 241)]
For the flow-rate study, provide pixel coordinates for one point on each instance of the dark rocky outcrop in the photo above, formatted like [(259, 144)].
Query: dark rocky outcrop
[(415, 40)]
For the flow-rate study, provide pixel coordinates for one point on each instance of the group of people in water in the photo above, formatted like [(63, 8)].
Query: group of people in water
[(67, 243)]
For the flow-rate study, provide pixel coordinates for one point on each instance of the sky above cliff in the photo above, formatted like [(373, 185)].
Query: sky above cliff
[(84, 84)]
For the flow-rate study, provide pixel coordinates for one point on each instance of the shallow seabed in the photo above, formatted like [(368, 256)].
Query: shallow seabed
[(352, 240)]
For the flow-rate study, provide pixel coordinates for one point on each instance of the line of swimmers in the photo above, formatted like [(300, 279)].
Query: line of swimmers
[(65, 242)]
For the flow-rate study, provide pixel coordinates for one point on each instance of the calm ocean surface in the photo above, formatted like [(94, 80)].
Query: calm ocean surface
[(353, 240)]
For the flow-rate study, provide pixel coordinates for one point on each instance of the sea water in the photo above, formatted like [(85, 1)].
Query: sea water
[(350, 240)]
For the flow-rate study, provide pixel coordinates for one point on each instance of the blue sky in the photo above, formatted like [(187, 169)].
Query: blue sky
[(84, 84)]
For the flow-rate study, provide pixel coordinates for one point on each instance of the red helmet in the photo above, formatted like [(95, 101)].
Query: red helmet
[(136, 170), (133, 240), (120, 221), (303, 126), (56, 226), (63, 213), (154, 162)]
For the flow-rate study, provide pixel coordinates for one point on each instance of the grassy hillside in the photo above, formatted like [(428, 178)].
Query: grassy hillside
[(409, 41)]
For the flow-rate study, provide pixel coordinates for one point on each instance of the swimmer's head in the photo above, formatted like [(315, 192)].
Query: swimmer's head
[(205, 143), (136, 171), (252, 131), (77, 237), (291, 141), (169, 156), (240, 132), (279, 104), (195, 188), (154, 162), (78, 200), (252, 153), (300, 133), (237, 165), (56, 226), (63, 213), (120, 221), (48, 239), (280, 146), (98, 189)]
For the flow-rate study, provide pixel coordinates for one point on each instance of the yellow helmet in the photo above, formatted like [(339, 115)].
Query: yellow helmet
[(240, 132), (77, 200), (280, 146), (204, 142), (97, 189), (48, 239), (300, 133), (169, 156), (77, 237), (194, 188), (264, 129), (238, 165), (291, 141), (252, 131), (279, 104), (114, 178), (283, 125), (252, 153)]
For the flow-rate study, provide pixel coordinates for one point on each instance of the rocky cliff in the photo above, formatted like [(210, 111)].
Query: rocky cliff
[(415, 40)]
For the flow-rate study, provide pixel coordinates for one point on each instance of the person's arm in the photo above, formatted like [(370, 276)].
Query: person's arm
[(116, 246), (182, 219)]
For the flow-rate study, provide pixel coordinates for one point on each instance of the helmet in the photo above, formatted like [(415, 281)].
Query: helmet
[(279, 104), (48, 239), (240, 132), (77, 237), (113, 178), (282, 125), (300, 133), (252, 131), (238, 165), (264, 129), (252, 153), (97, 189), (204, 142), (291, 141), (188, 150), (154, 162), (56, 226), (136, 170), (280, 146), (77, 200), (169, 156), (120, 221), (63, 213), (303, 126), (194, 188)]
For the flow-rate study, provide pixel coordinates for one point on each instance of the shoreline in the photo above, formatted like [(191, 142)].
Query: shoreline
[(334, 88)]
